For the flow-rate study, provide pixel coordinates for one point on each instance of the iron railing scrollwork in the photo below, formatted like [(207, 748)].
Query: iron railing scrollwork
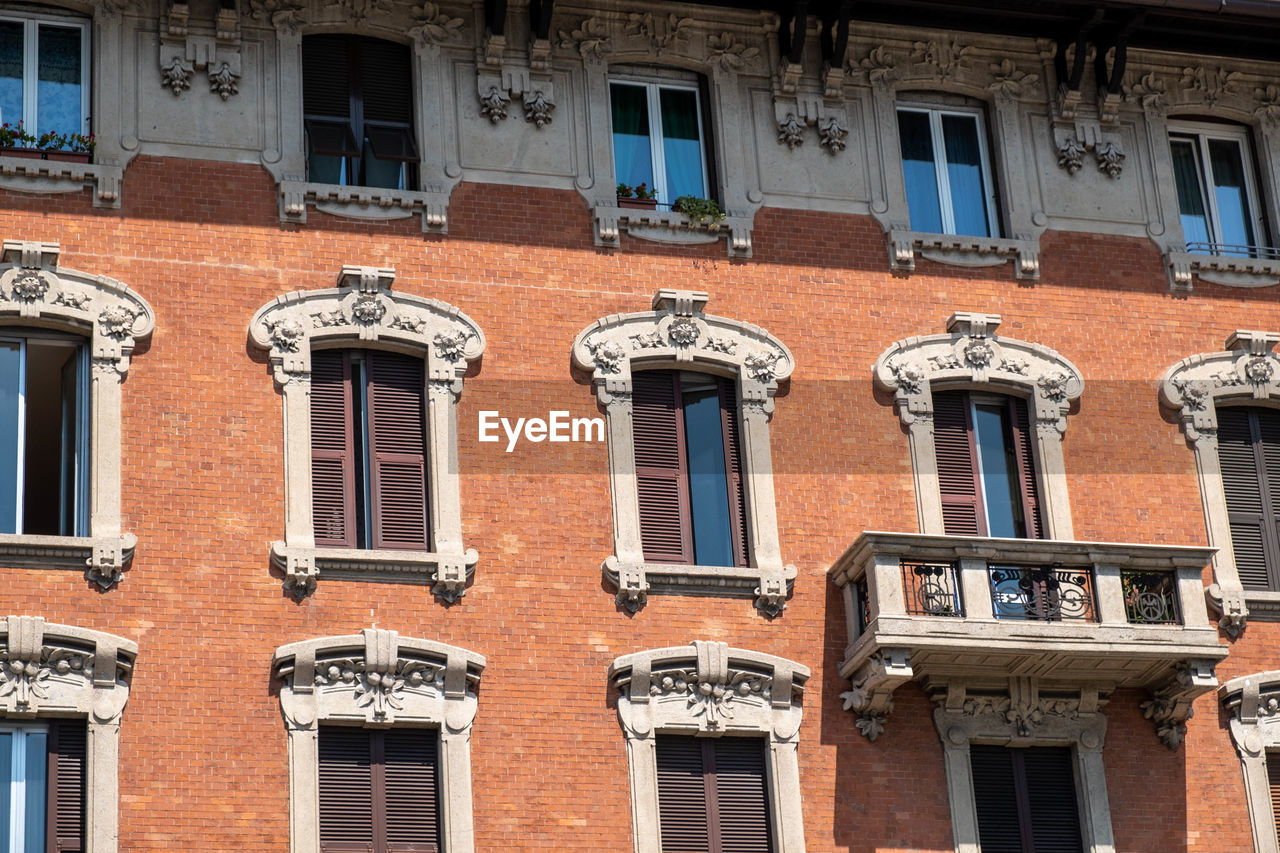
[(862, 605), (1042, 593), (931, 589), (1150, 598)]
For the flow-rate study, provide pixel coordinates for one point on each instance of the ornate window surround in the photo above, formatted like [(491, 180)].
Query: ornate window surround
[(677, 334), (1253, 705), (35, 292), (378, 679), (53, 670), (970, 355), (363, 311), (710, 690), (1023, 717), (1247, 372)]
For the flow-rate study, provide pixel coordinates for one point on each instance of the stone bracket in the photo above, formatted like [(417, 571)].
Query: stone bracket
[(212, 46), (1170, 705), (365, 203), (635, 581), (1184, 267), (963, 251), (526, 80), (873, 683), (447, 573), (667, 226), (1073, 140)]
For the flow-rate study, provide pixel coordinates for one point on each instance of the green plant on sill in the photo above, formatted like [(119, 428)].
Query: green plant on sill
[(16, 136), (640, 191), (698, 209)]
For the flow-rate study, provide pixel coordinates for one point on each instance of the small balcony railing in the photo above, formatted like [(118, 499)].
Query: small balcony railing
[(1150, 598), (1234, 250), (932, 589), (1042, 593)]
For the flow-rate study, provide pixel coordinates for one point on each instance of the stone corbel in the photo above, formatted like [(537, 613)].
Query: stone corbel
[(871, 696), (1170, 705), (500, 80), (213, 47), (963, 251), (794, 115), (1073, 141)]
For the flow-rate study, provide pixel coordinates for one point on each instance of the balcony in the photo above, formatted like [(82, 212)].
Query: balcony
[(1072, 620)]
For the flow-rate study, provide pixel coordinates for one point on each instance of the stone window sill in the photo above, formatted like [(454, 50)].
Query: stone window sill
[(24, 175), (1221, 269), (667, 226), (448, 573), (367, 203), (101, 558), (770, 586), (1264, 606), (964, 251)]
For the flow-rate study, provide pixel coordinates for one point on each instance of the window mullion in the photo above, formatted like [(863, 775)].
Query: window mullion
[(30, 71), (1210, 194), (702, 143), (657, 142), (979, 476), (940, 170), (86, 80)]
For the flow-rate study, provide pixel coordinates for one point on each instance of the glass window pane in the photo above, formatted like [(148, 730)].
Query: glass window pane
[(382, 173), (918, 172), (708, 483), (6, 787), (58, 105), (1235, 225), (36, 785), (10, 444), (965, 175), (682, 147), (632, 156), (1186, 176), (998, 475), (10, 72)]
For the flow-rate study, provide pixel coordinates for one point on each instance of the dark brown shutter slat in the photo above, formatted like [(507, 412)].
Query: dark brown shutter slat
[(682, 801), (411, 787), (1051, 789), (1273, 780), (662, 484), (731, 427), (67, 746), (385, 80), (1028, 488), (962, 513), (742, 796), (996, 797), (1242, 483), (346, 791), (1268, 434), (333, 478), (397, 417), (326, 87)]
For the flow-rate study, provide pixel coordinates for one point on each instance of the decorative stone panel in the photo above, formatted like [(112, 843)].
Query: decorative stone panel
[(678, 334), (378, 679), (362, 311), (1252, 703), (707, 689)]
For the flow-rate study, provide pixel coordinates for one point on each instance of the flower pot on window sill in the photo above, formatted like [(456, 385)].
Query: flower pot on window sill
[(69, 156), (28, 153), (639, 203)]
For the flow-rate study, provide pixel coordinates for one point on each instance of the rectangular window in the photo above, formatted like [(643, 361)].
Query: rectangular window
[(44, 438), (357, 95), (379, 790), (1249, 458), (1217, 195), (658, 138), (713, 795), (42, 773), (1026, 799), (689, 468), (44, 75), (986, 466), (1273, 785), (369, 450), (946, 172)]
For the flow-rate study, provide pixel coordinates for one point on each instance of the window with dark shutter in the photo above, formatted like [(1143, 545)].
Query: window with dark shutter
[(357, 97), (68, 760), (689, 470), (1249, 458), (712, 795), (1026, 800), (369, 450), (1273, 784), (379, 791)]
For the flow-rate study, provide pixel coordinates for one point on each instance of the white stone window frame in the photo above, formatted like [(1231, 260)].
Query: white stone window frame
[(707, 689), (653, 80), (31, 20), (35, 292), (678, 335), (1245, 373), (51, 670), (970, 356), (363, 311), (1022, 716), (1252, 703), (378, 679)]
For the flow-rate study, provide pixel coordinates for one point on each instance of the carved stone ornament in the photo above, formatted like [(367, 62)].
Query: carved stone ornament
[(47, 668), (728, 53), (1247, 371), (223, 81), (1071, 155), (436, 26), (791, 132), (176, 76), (538, 108), (1110, 158), (831, 136), (678, 334), (493, 104), (591, 40)]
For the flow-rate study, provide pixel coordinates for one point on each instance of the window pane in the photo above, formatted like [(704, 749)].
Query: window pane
[(59, 108), (382, 173), (43, 436), (36, 789), (10, 436), (10, 72), (6, 787), (682, 148), (1186, 175), (1235, 224), (918, 172), (708, 483), (965, 174), (998, 483), (632, 157)]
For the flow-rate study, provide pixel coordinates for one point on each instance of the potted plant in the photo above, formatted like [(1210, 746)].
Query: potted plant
[(699, 210), (16, 142), (68, 147), (638, 197)]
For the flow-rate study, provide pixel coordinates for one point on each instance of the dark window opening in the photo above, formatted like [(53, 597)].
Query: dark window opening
[(1026, 799), (1249, 458), (713, 795)]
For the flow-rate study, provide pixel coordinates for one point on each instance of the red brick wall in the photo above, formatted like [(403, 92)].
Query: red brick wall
[(203, 751)]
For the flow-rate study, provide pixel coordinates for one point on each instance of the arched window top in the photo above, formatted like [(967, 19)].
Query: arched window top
[(1246, 371)]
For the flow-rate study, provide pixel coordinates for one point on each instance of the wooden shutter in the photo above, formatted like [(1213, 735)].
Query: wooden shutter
[(953, 443), (1273, 781), (662, 472), (397, 451), (682, 795), (1051, 790), (1028, 489), (1268, 451), (346, 791), (1243, 476), (410, 791), (713, 795), (996, 797), (1026, 800), (68, 760), (733, 468), (385, 80), (742, 801), (333, 472), (326, 78)]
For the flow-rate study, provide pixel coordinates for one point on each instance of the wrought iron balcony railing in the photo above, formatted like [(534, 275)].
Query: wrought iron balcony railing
[(1043, 593), (1234, 250)]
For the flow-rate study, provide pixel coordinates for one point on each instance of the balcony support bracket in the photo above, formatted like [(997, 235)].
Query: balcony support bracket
[(871, 696), (1169, 707)]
